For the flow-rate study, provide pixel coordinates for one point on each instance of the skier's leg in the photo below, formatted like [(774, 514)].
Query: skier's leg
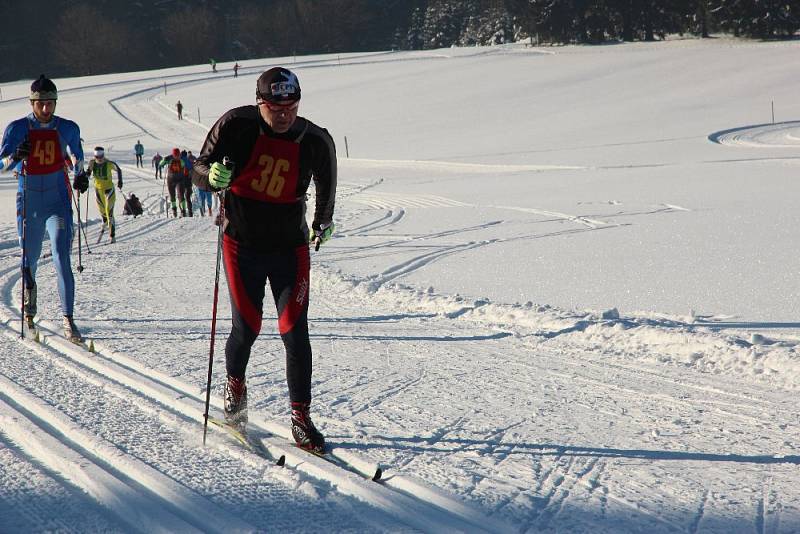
[(100, 199), (289, 282), (181, 196), (187, 191), (59, 227), (34, 237), (111, 198), (171, 188), (246, 276)]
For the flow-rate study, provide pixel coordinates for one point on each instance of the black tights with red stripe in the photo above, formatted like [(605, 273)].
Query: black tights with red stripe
[(287, 271)]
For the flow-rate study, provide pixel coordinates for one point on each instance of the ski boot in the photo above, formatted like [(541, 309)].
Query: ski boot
[(29, 301), (235, 402), (304, 432), (31, 332), (71, 331), (174, 213)]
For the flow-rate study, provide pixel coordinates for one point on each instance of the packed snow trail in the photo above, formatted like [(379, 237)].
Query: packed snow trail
[(176, 403)]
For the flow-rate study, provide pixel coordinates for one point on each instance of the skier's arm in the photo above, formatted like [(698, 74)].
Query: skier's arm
[(325, 178), (119, 175), (12, 138), (72, 135), (213, 151)]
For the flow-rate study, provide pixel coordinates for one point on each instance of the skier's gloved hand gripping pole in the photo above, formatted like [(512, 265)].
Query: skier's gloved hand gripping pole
[(321, 235), (219, 177)]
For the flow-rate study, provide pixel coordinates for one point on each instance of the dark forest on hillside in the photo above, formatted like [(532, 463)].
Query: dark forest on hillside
[(77, 37)]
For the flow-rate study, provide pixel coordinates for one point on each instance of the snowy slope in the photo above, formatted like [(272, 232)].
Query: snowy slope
[(562, 297)]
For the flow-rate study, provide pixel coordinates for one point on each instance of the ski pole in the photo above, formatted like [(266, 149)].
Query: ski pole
[(80, 261), (226, 161), (164, 196), (81, 226), (23, 225)]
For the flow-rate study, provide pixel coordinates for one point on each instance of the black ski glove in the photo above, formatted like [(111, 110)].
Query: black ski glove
[(81, 182), (23, 150)]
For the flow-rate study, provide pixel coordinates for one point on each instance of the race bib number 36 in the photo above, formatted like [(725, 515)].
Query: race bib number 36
[(272, 172)]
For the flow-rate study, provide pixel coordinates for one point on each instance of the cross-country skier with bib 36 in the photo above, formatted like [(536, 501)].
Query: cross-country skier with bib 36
[(266, 238), (36, 147)]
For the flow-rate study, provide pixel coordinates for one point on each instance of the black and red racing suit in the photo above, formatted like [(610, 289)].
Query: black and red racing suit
[(265, 231)]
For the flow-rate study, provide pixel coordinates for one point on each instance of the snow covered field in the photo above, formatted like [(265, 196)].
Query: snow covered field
[(562, 297)]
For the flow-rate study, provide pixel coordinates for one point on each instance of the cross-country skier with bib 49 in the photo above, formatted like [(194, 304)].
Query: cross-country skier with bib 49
[(36, 147), (276, 154)]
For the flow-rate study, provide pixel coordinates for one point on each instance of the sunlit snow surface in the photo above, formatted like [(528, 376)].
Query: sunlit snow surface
[(562, 297)]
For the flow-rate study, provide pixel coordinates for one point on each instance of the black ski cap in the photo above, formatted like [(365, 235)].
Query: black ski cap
[(278, 85), (43, 89)]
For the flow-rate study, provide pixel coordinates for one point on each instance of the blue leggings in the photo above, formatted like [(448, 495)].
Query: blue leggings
[(46, 210), (205, 199)]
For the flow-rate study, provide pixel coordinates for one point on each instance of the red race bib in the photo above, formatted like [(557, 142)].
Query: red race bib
[(272, 172), (45, 156)]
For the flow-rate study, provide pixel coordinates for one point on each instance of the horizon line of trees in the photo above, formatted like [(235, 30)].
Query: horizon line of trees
[(101, 36)]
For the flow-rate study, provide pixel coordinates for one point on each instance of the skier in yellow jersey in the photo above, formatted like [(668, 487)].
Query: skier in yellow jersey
[(101, 168)]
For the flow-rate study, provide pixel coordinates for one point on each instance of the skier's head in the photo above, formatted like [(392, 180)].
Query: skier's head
[(99, 153), (176, 152), (43, 89), (43, 98), (278, 97)]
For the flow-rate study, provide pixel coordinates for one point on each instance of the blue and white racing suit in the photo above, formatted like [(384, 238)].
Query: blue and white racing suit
[(44, 194)]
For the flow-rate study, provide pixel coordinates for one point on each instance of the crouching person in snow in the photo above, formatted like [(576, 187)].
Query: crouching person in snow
[(36, 147), (101, 168), (133, 206), (276, 154)]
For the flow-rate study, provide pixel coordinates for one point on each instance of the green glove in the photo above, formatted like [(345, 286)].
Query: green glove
[(219, 176), (321, 235)]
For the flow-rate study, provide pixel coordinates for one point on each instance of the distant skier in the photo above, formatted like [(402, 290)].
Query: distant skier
[(101, 168), (36, 147), (266, 236), (157, 165), (236, 70), (213, 64), (138, 150), (187, 183), (176, 174), (179, 107)]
